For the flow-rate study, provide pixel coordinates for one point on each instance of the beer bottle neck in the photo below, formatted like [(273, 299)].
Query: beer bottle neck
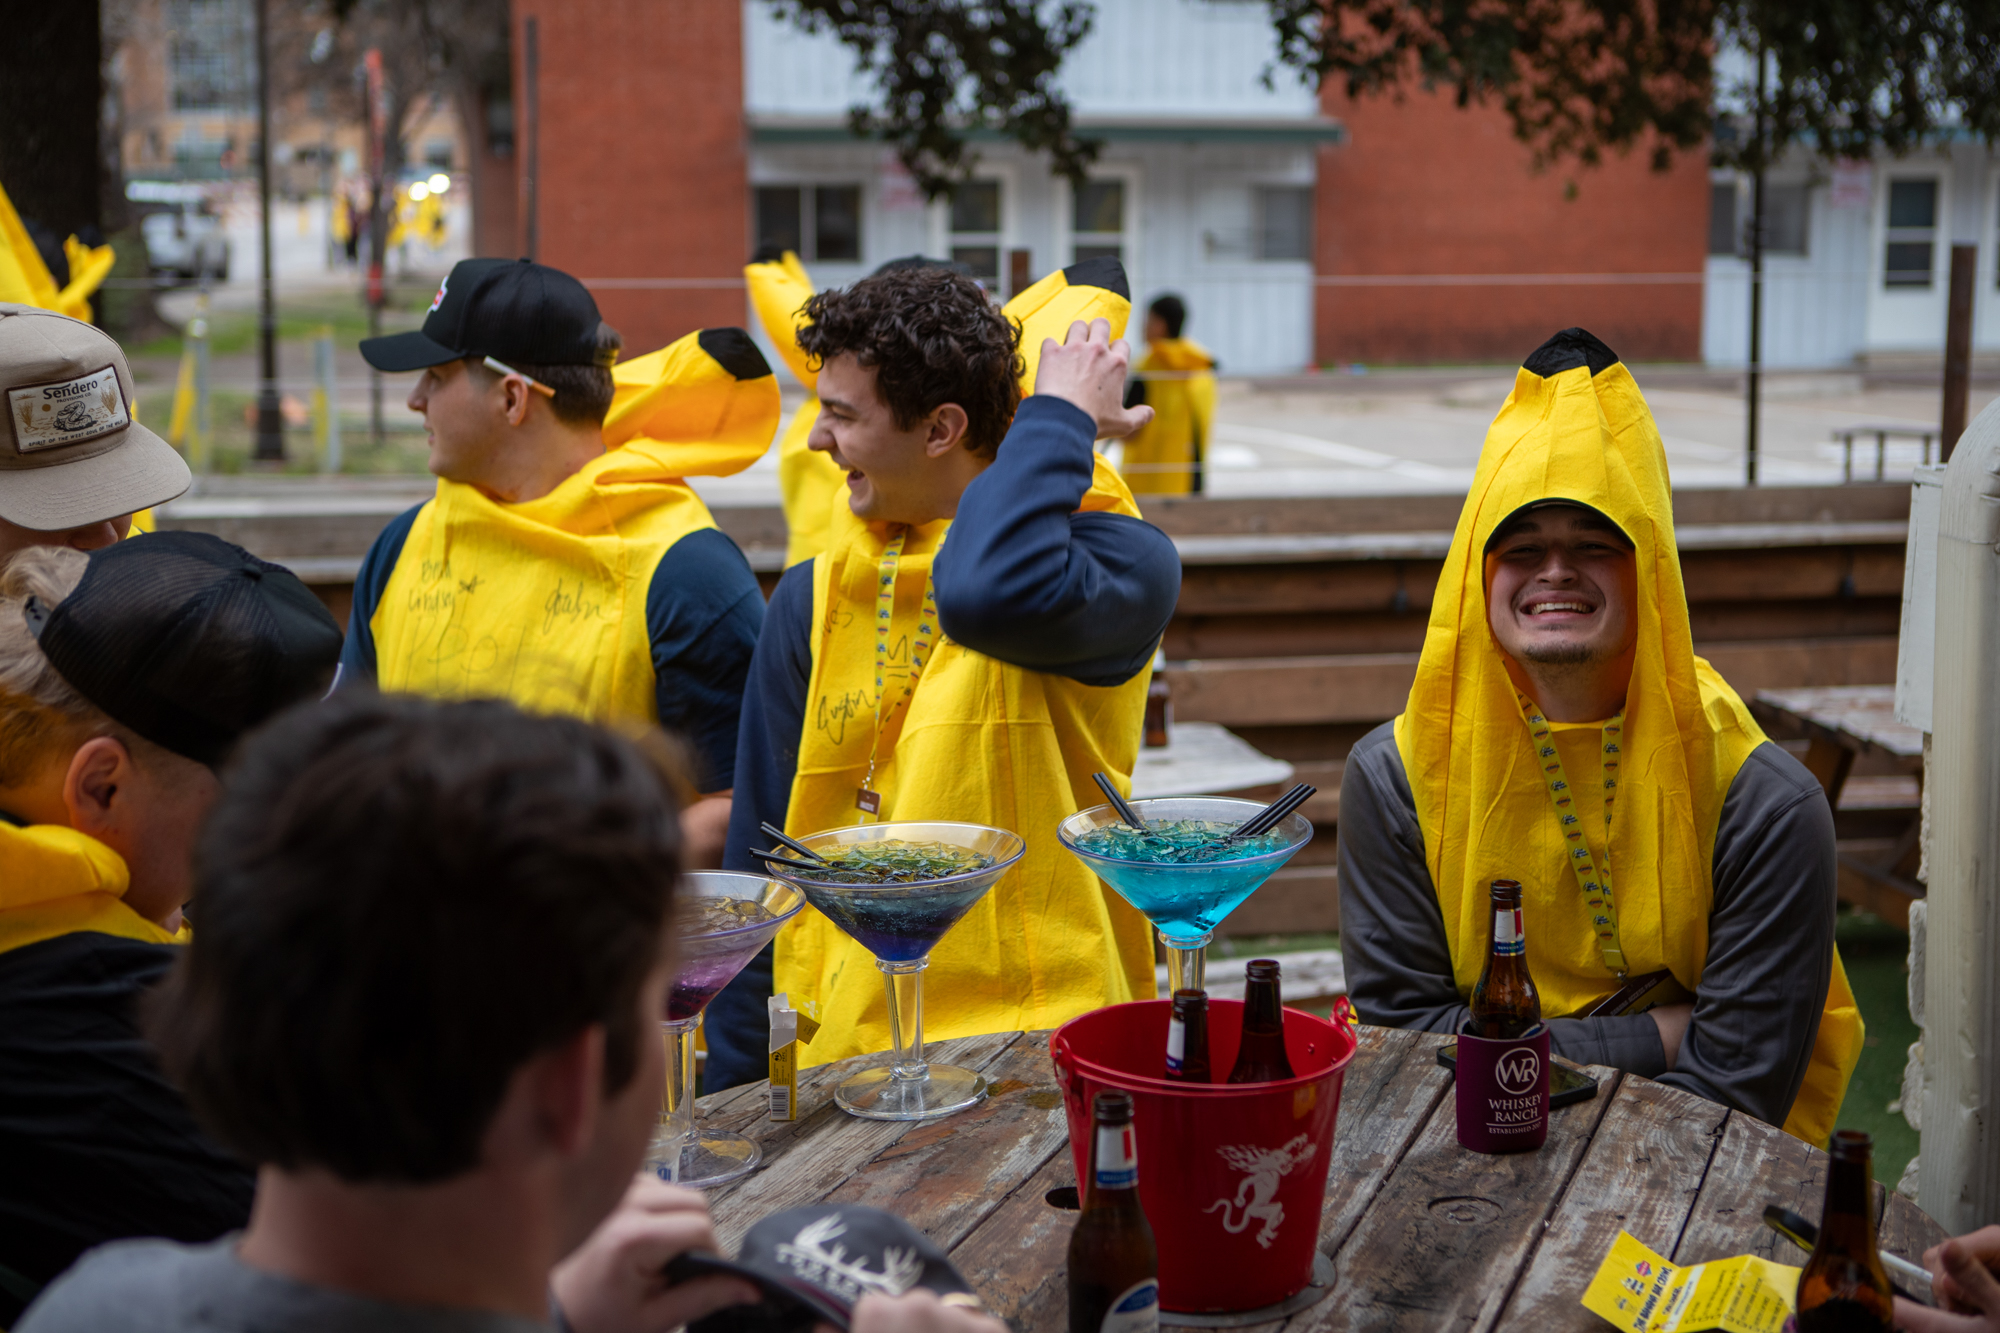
[(1114, 1168), (1261, 1005), (1509, 941), (1849, 1220)]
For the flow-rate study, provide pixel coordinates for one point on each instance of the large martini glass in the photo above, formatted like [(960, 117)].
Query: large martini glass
[(717, 931), (1186, 901), (900, 924)]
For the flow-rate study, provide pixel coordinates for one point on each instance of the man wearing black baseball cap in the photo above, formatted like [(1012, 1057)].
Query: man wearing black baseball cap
[(126, 676), (564, 562)]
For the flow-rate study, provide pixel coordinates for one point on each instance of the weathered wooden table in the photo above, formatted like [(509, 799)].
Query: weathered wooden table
[(1423, 1235)]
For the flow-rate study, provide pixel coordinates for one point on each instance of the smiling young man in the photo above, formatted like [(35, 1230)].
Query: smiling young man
[(1677, 867), (1021, 598), (564, 563)]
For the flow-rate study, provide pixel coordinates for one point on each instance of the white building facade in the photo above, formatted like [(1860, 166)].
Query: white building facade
[(1204, 187), (1858, 259)]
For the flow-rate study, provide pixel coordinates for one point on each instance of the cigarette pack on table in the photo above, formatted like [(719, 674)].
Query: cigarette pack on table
[(1639, 1291), (789, 1027)]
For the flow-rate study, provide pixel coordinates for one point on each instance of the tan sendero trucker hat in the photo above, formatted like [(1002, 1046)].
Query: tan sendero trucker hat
[(70, 453)]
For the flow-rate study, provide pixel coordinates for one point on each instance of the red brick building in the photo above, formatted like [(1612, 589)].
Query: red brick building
[(1301, 228)]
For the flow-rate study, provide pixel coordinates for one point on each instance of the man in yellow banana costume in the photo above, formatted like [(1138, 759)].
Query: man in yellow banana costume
[(1562, 732), (1024, 596), (564, 563), (1176, 378)]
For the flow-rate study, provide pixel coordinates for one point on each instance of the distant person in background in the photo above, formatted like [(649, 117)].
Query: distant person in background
[(74, 464), (125, 677), (1176, 378)]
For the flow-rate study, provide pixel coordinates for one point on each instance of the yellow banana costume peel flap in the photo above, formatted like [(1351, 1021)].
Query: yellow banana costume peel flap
[(1165, 456), (809, 484), (543, 602), (1581, 432), (980, 740), (25, 278)]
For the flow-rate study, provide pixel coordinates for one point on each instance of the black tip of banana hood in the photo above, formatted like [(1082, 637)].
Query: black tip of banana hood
[(1568, 350), (1103, 271), (734, 352)]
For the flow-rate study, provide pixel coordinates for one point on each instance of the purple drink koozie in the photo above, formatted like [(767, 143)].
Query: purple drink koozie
[(1503, 1092)]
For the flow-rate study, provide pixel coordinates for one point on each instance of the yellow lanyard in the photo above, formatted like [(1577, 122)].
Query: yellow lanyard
[(868, 800), (1594, 881)]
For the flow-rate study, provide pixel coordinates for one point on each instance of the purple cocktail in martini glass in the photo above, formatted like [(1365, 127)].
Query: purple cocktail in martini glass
[(900, 924), (721, 920)]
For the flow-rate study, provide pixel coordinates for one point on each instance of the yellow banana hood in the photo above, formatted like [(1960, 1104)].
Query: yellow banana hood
[(704, 406)]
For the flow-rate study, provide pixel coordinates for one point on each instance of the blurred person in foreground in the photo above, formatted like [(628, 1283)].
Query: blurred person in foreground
[(1176, 378), (1020, 598), (1965, 1280), (126, 676), (1677, 867), (564, 562), (74, 465), (424, 999)]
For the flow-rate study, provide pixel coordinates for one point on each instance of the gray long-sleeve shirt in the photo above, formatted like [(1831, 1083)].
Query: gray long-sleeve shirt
[(1770, 934)]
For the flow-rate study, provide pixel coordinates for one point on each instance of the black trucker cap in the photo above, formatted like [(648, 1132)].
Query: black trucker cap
[(508, 309), (813, 1264), (187, 640)]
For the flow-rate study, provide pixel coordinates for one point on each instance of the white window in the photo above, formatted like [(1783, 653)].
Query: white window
[(978, 228), (816, 222), (1098, 209), (1909, 255), (1284, 222)]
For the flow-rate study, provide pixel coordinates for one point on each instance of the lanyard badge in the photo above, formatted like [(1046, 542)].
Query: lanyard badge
[(1592, 879), (867, 799)]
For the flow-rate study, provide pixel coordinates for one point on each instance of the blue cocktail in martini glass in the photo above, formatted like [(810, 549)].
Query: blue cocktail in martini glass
[(900, 924), (721, 920), (1185, 900)]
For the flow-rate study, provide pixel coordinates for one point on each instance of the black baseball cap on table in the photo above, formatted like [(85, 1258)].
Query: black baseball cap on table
[(189, 641), (508, 309)]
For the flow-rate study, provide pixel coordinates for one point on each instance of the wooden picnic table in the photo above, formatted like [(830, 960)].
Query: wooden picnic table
[(1840, 724), (1422, 1234)]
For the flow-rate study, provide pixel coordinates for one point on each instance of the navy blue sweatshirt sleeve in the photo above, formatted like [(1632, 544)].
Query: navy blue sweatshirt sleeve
[(774, 710), (703, 613), (357, 653), (1025, 578)]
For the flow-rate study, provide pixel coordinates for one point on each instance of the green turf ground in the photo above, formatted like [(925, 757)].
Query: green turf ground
[(1876, 956)]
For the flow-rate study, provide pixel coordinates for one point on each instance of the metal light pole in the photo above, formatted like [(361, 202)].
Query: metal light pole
[(270, 417), (1756, 283)]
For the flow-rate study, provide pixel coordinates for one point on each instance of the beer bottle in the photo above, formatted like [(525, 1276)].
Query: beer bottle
[(1261, 1058), (1187, 1038), (1114, 1266), (1843, 1288), (1504, 1003)]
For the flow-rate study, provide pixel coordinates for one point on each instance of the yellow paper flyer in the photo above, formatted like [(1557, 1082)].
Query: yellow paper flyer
[(1637, 1290)]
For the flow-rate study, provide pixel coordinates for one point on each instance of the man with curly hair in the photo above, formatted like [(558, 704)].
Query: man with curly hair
[(972, 645)]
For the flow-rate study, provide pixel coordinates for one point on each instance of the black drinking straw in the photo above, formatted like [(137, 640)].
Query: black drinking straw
[(796, 846), (1118, 803), (1267, 819)]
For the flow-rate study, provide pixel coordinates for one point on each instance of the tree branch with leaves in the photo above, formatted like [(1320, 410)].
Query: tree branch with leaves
[(947, 67)]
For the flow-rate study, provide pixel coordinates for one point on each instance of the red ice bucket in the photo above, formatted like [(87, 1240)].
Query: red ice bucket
[(1232, 1176)]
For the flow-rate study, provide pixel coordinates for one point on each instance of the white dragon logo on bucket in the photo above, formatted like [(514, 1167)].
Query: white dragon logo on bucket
[(1257, 1195)]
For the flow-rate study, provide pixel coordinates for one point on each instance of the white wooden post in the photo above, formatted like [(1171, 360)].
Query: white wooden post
[(1959, 1178)]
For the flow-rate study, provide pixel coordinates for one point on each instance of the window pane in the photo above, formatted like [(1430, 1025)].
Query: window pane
[(1284, 222), (837, 222), (778, 218), (1100, 207), (983, 260), (1084, 252), (1909, 264), (1785, 212), (975, 206), (1722, 235), (1913, 203)]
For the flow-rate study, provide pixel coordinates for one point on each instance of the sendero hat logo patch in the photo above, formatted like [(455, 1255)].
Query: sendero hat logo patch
[(48, 416)]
